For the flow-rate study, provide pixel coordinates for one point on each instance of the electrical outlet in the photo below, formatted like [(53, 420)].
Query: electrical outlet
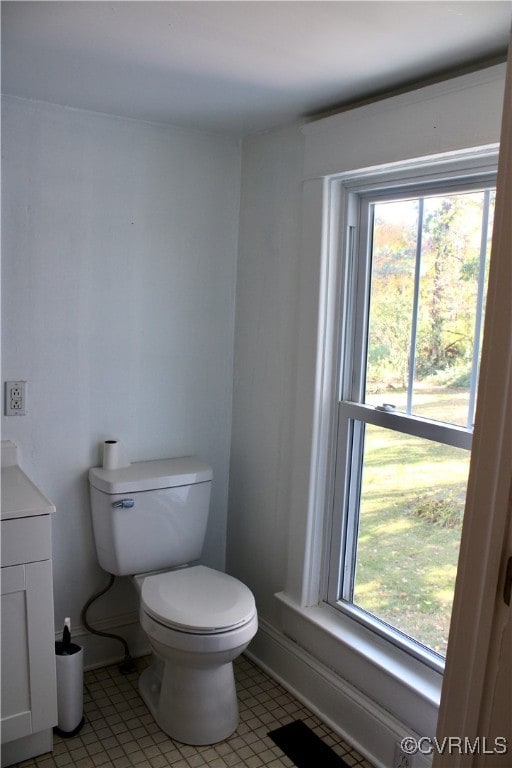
[(15, 398), (402, 759)]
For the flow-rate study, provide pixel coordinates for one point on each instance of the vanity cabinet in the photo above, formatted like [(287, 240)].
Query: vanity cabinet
[(29, 696)]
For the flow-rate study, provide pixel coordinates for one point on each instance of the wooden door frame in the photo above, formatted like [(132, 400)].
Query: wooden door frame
[(479, 609)]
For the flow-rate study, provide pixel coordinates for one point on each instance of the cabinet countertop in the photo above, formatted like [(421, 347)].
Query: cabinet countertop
[(20, 497)]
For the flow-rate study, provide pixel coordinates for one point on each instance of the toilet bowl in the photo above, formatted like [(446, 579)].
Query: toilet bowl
[(197, 621), (150, 518)]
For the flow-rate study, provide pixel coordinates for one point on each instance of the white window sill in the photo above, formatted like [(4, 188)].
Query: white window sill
[(401, 684)]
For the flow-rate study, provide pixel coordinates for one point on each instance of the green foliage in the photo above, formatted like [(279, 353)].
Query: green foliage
[(469, 271), (456, 377), (444, 509), (451, 241)]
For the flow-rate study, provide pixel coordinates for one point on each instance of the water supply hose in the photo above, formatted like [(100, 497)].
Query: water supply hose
[(128, 664)]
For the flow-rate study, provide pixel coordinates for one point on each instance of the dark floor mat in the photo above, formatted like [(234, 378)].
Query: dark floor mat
[(304, 747)]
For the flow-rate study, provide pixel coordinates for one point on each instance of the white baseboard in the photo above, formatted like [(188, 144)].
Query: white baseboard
[(357, 719), (101, 651)]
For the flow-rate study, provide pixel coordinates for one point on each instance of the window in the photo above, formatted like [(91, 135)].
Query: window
[(414, 285)]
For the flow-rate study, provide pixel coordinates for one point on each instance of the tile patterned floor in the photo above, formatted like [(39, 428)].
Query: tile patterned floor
[(120, 733)]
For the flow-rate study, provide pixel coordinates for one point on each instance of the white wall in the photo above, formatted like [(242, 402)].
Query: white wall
[(265, 351), (119, 264)]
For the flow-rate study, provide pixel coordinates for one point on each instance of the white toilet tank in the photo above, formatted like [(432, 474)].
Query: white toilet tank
[(150, 515)]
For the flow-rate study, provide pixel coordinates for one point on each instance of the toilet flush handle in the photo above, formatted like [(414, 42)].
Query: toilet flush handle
[(123, 503)]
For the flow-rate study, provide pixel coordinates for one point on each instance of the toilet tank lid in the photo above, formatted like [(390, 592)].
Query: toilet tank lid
[(151, 475)]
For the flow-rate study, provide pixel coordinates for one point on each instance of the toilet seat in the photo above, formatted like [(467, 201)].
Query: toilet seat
[(197, 600)]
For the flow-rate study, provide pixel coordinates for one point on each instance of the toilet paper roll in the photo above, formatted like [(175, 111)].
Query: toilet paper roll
[(113, 456)]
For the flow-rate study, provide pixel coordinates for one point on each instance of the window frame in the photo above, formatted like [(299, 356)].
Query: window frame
[(346, 234)]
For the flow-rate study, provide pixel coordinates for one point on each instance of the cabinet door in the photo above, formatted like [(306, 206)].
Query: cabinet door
[(29, 699)]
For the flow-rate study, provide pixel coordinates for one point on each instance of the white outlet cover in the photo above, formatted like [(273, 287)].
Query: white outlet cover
[(15, 398)]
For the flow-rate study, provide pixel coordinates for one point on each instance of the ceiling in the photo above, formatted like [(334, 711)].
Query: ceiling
[(238, 67)]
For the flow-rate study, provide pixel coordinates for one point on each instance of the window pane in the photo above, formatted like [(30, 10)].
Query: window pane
[(410, 521), (450, 270), (392, 293), (428, 278)]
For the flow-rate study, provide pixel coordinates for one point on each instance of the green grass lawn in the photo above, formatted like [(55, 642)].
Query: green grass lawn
[(413, 496)]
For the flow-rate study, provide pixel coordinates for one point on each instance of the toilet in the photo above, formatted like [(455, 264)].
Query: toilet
[(149, 521)]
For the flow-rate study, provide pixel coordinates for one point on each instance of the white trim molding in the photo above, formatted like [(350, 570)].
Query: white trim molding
[(456, 114)]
